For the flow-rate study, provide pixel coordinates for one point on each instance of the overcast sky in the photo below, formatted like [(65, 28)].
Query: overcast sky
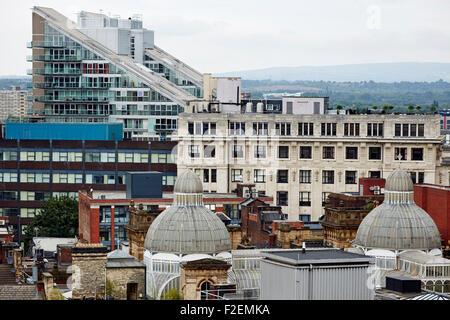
[(231, 35)]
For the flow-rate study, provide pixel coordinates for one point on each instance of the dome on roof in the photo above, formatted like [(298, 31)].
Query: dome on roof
[(188, 182), (399, 180), (187, 230), (398, 223), (187, 226)]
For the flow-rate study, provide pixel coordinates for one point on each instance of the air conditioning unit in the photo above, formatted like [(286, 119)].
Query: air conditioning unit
[(376, 190), (2, 222)]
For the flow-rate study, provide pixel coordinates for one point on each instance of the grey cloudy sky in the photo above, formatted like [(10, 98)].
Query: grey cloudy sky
[(230, 35)]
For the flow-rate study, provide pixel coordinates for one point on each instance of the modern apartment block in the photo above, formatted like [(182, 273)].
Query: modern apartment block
[(32, 171), (107, 69), (300, 159), (15, 102)]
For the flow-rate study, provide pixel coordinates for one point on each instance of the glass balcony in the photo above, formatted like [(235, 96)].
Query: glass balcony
[(56, 59), (72, 99), (30, 45), (48, 44), (30, 72), (62, 72), (29, 58)]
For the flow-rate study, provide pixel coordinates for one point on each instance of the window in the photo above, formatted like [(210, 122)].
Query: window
[(328, 129), (305, 129), (351, 129), (283, 129), (304, 217), (282, 176), (91, 157), (209, 128), (238, 151), (213, 175), (190, 128), (375, 174), (260, 152), (282, 198), (194, 151), (305, 199), (398, 129), (209, 151), (421, 177), (8, 156), (236, 175), (205, 175), (405, 130), (283, 152), (350, 177), (351, 153), (413, 130), (305, 176), (259, 175), (328, 177), (374, 129), (237, 128), (400, 154), (374, 153), (421, 130), (324, 198), (305, 152), (260, 128), (328, 153), (417, 154)]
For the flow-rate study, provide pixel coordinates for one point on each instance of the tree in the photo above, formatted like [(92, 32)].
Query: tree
[(418, 108), (173, 294), (411, 108), (58, 217)]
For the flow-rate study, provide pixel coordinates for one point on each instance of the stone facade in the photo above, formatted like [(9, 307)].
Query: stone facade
[(139, 222), (235, 233), (292, 234), (331, 157), (122, 277), (88, 277), (343, 215), (195, 273)]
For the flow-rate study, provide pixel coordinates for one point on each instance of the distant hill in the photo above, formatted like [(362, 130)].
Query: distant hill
[(378, 72)]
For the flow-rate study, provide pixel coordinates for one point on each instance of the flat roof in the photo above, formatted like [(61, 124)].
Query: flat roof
[(316, 256)]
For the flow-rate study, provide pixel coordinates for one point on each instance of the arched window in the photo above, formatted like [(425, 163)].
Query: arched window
[(204, 290)]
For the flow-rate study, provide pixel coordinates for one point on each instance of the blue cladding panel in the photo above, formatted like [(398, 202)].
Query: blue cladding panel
[(64, 131)]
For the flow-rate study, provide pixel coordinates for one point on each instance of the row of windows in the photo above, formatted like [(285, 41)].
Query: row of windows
[(209, 175), (71, 178), (304, 177), (104, 157), (284, 128), (328, 152)]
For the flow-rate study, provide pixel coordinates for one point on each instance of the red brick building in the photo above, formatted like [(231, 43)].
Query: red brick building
[(103, 215), (435, 200), (257, 217)]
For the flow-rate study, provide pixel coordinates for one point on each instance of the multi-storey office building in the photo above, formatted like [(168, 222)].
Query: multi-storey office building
[(32, 171), (300, 159), (15, 102), (95, 71)]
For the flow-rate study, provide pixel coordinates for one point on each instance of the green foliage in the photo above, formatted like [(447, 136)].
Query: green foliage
[(58, 217), (55, 294), (369, 206), (173, 294), (109, 288), (362, 95)]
